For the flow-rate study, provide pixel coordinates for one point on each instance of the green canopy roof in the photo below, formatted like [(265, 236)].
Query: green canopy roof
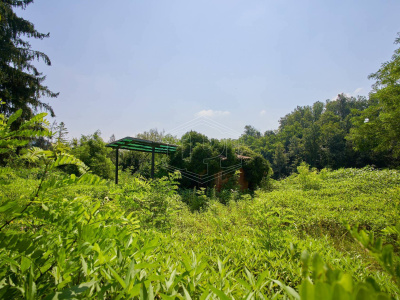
[(135, 144)]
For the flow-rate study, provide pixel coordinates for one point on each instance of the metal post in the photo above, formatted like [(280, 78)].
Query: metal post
[(116, 166), (152, 163)]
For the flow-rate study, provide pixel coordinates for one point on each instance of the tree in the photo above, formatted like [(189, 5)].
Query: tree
[(295, 153), (280, 160), (311, 138), (377, 128), (251, 131), (61, 133), (256, 168), (332, 142), (91, 149), (112, 138), (21, 84)]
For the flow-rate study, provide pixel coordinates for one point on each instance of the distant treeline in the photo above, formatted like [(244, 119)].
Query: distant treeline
[(324, 135), (345, 132)]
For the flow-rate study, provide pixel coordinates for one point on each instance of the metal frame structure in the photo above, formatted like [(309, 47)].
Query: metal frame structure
[(135, 144)]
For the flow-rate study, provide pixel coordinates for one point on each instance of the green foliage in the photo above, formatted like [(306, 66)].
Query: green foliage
[(308, 179), (267, 183), (203, 157), (256, 168), (384, 254), (280, 160), (314, 134), (153, 201), (61, 133), (327, 283), (377, 128), (93, 248), (91, 149), (21, 82), (358, 196), (80, 237), (140, 162), (11, 140), (196, 199)]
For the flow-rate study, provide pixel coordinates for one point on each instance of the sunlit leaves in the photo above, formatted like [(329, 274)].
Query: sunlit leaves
[(10, 139)]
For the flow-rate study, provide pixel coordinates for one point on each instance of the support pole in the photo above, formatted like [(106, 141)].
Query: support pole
[(116, 166), (152, 163)]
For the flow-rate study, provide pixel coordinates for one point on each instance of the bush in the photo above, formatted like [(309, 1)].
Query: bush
[(153, 201), (309, 180)]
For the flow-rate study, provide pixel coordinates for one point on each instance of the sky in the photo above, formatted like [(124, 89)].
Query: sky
[(124, 67)]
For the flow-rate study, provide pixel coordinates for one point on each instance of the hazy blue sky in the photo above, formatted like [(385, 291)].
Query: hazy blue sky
[(127, 66)]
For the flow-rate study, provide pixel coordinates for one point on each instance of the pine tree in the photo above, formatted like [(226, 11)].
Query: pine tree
[(112, 138), (61, 133), (21, 84)]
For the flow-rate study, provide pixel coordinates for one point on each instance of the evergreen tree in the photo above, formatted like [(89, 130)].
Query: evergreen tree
[(21, 84), (61, 133), (112, 138)]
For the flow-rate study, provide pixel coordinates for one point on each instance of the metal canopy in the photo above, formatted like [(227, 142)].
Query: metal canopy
[(130, 143), (135, 144)]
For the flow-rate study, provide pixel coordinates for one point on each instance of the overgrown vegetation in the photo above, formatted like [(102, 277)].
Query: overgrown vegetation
[(73, 236)]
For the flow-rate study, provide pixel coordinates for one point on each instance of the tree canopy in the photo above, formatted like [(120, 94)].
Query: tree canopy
[(21, 83), (377, 128)]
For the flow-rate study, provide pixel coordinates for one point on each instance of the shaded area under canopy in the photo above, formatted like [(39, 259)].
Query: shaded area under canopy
[(135, 144)]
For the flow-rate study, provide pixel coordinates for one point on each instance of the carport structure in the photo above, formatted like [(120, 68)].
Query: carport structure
[(141, 145)]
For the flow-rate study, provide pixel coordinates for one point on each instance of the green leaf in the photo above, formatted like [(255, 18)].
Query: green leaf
[(318, 266), (169, 283), (117, 277), (7, 206), (307, 290), (151, 293), (131, 272), (143, 292), (45, 207), (219, 293), (25, 264), (72, 292), (12, 262), (346, 282), (339, 293), (205, 295), (289, 291), (187, 296), (14, 117), (144, 266), (260, 280), (96, 207), (166, 297), (84, 266), (244, 284), (31, 291), (250, 277), (322, 290)]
